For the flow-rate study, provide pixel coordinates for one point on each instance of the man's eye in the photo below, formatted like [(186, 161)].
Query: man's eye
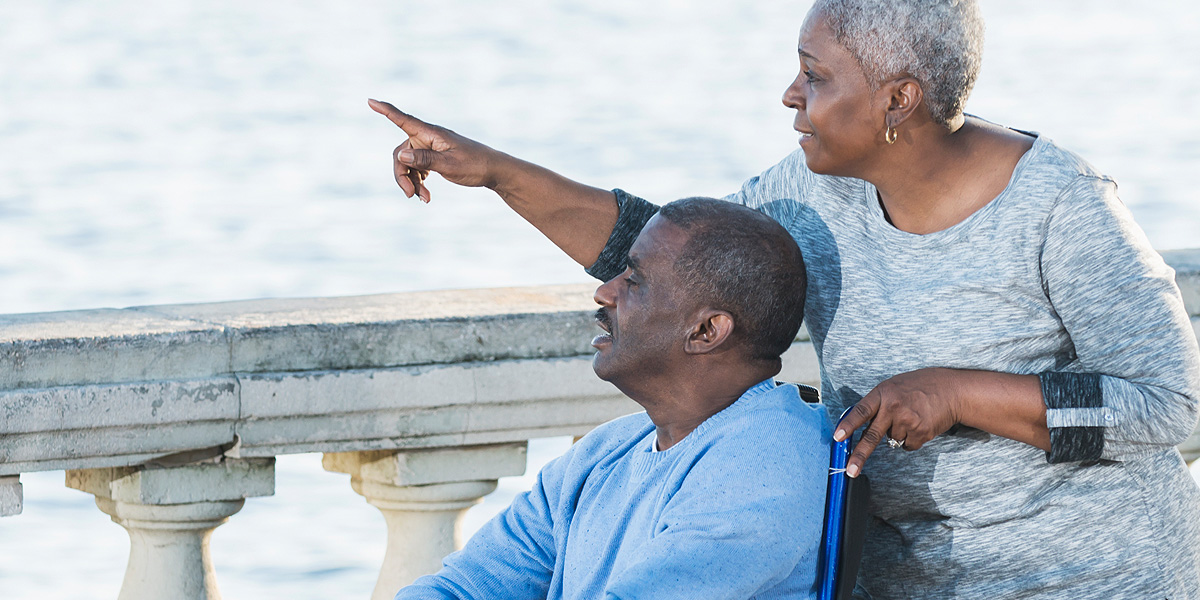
[(630, 281), (808, 76)]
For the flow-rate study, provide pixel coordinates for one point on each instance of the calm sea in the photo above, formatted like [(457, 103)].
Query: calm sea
[(187, 152)]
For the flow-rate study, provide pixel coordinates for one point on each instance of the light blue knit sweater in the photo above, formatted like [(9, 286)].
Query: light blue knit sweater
[(732, 511)]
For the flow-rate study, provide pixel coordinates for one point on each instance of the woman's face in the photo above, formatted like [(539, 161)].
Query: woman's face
[(839, 117)]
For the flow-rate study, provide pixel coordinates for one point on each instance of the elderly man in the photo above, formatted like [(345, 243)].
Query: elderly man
[(717, 490)]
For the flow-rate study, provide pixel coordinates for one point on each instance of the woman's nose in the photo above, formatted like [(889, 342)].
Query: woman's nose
[(793, 96)]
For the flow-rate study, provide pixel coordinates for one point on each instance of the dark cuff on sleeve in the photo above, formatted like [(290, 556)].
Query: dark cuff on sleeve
[(632, 215), (1073, 390)]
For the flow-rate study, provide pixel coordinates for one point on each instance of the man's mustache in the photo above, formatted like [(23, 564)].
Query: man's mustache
[(604, 319)]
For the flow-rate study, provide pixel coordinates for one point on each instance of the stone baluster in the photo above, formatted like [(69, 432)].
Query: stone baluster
[(10, 495), (423, 495), (170, 514)]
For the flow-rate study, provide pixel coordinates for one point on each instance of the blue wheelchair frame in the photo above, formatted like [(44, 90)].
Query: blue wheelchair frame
[(845, 525)]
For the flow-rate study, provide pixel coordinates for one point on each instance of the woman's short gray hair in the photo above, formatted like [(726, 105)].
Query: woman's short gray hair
[(938, 42)]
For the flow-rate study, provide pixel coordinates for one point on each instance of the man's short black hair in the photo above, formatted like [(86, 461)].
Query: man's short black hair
[(739, 260)]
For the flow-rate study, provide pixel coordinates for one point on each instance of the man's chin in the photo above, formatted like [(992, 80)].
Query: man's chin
[(602, 365)]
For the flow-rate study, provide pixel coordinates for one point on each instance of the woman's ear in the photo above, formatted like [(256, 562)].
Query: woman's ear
[(710, 331), (904, 95)]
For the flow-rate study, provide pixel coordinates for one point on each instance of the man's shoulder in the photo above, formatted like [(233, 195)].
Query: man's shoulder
[(768, 421), (774, 434), (774, 443), (778, 415)]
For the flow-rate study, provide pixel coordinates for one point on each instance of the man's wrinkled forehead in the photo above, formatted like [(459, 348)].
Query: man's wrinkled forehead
[(655, 250), (657, 247)]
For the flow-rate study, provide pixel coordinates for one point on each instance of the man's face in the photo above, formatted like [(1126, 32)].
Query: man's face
[(642, 309)]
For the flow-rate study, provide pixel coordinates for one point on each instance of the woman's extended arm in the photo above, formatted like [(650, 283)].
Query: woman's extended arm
[(578, 218)]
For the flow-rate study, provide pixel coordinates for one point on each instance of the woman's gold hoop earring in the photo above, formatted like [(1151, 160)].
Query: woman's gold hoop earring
[(891, 135)]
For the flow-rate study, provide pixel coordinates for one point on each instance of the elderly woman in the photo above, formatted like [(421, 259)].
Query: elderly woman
[(977, 293)]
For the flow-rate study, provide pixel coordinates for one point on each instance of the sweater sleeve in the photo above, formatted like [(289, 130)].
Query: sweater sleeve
[(773, 192), (748, 515), (510, 557), (632, 215), (1134, 385), (777, 191)]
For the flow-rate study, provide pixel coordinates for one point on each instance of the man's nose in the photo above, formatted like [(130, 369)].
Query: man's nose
[(605, 294)]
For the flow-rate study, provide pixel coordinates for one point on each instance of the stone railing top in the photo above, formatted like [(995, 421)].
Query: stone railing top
[(176, 384), (168, 385), (188, 341)]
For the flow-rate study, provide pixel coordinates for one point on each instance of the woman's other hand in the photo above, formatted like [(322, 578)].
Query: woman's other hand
[(432, 148), (915, 407)]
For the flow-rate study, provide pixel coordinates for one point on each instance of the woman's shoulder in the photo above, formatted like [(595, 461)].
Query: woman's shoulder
[(1048, 163), (791, 179), (1049, 179), (1077, 207)]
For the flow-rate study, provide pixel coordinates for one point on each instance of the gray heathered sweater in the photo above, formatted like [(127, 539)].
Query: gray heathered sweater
[(1052, 278)]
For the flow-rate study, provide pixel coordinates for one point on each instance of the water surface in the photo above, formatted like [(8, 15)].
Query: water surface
[(188, 152)]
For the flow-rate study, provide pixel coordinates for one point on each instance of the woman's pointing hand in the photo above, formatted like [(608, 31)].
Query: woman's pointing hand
[(432, 148)]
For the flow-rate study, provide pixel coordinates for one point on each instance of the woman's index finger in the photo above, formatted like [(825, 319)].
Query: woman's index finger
[(410, 124), (860, 414)]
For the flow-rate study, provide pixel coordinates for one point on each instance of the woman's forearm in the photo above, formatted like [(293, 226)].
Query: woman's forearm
[(1004, 404), (578, 218), (915, 407)]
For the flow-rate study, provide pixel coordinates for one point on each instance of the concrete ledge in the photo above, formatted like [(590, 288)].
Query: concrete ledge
[(1187, 274), (425, 467), (227, 480), (70, 427), (117, 388), (268, 414), (429, 406), (104, 346), (203, 340), (103, 406)]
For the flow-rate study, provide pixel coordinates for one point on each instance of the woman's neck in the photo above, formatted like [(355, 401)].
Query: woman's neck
[(932, 179)]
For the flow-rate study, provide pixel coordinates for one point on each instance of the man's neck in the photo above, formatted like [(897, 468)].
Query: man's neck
[(673, 432), (678, 405)]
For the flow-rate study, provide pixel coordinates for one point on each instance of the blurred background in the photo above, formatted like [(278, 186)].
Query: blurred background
[(190, 152)]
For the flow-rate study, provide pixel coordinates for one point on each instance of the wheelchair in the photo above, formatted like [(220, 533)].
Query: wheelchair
[(845, 519)]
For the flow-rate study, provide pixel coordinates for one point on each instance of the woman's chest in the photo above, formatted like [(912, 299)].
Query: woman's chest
[(978, 303)]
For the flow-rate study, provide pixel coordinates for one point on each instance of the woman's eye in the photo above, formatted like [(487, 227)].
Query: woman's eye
[(808, 76)]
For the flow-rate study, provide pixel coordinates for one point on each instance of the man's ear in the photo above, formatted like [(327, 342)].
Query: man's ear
[(710, 331)]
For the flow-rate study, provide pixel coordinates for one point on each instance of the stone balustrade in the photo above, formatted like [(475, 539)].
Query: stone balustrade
[(171, 416)]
